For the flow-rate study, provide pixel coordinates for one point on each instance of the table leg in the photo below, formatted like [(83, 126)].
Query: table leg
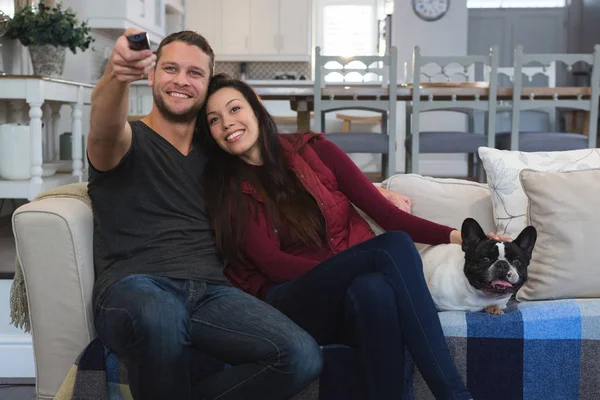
[(47, 144), (3, 113), (577, 121), (303, 121), (76, 144), (55, 135), (303, 114), (35, 127)]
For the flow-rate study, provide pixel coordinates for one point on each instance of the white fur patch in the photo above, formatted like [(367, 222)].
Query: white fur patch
[(501, 251)]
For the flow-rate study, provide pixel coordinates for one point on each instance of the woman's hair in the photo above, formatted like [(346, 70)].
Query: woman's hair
[(288, 204)]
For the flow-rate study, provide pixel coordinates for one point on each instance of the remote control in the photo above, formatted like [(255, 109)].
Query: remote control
[(139, 41)]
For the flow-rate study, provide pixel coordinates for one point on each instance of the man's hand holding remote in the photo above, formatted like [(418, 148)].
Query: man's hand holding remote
[(130, 65)]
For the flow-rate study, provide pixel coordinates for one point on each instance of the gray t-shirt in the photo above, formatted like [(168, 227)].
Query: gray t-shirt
[(149, 215)]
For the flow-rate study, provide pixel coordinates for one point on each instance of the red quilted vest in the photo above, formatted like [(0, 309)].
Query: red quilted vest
[(344, 226)]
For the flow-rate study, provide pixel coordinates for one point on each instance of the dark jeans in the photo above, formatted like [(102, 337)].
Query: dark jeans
[(154, 323), (374, 296)]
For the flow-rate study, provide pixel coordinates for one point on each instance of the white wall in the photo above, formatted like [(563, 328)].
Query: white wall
[(447, 36)]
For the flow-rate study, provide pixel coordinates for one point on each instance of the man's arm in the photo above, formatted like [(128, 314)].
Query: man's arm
[(110, 134)]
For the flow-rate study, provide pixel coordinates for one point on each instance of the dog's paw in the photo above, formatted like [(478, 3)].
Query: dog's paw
[(494, 310)]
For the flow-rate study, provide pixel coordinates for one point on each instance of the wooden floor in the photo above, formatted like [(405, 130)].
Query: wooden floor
[(24, 392)]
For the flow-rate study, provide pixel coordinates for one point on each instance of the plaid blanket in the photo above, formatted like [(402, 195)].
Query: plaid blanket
[(535, 351)]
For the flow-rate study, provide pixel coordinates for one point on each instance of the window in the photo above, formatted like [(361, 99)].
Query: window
[(516, 3), (349, 29), (7, 7)]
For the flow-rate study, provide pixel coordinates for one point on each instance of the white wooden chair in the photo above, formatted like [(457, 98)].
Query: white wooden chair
[(354, 72), (552, 141), (446, 141), (532, 120)]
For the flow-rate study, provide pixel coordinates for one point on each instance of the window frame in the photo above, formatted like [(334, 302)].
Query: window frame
[(320, 15)]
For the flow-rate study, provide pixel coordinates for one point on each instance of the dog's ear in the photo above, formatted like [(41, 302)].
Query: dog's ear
[(526, 240), (471, 233)]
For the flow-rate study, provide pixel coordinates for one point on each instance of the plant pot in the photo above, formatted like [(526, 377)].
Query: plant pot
[(47, 60)]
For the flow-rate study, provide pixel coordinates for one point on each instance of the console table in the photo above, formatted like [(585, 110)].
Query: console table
[(43, 98)]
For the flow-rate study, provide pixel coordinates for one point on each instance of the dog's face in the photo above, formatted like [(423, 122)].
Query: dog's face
[(497, 268)]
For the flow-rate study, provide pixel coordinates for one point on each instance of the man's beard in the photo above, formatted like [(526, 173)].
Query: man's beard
[(169, 115)]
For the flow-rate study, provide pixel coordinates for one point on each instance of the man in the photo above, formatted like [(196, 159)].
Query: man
[(160, 290)]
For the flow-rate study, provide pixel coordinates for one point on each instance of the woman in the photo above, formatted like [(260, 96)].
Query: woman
[(280, 205)]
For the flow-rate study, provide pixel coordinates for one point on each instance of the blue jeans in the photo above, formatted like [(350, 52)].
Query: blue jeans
[(155, 323), (373, 296)]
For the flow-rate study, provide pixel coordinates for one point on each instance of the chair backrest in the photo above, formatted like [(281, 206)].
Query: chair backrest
[(436, 73), (450, 65), (379, 72), (348, 73), (549, 71), (534, 120), (557, 101)]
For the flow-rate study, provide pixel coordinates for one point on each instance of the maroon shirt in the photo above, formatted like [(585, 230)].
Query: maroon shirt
[(277, 261)]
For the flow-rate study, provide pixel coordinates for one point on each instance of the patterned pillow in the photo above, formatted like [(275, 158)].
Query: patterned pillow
[(503, 167)]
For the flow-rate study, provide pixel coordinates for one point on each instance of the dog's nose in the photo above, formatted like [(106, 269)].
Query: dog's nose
[(502, 267)]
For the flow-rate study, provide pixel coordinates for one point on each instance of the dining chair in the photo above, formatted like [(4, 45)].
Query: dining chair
[(450, 141), (552, 141), (350, 73), (542, 120)]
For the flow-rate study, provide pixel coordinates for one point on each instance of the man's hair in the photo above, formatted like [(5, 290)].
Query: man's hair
[(192, 38)]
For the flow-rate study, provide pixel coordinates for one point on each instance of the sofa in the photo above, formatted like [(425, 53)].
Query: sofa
[(543, 349)]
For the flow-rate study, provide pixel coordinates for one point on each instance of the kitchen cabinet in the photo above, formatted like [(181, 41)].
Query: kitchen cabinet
[(254, 30), (235, 26), (205, 17), (294, 28), (175, 7), (147, 15), (264, 36)]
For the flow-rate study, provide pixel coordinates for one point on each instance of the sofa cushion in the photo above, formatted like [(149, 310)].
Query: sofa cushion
[(445, 200), (563, 206), (502, 168)]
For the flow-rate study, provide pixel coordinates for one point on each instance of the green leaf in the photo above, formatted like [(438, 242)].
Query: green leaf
[(41, 24)]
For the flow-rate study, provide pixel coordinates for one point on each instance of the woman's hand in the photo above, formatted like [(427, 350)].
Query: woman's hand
[(399, 200), (456, 237)]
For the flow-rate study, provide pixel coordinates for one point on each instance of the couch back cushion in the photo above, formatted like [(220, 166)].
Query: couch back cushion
[(445, 200), (563, 207)]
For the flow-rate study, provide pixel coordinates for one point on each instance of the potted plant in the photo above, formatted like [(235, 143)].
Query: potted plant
[(47, 31)]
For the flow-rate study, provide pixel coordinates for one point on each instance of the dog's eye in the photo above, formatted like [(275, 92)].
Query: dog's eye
[(485, 260), (516, 263)]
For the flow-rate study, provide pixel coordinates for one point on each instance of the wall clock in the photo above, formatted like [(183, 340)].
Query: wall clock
[(430, 10)]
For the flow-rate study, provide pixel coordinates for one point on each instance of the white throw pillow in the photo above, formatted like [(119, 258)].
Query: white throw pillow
[(503, 168), (446, 201)]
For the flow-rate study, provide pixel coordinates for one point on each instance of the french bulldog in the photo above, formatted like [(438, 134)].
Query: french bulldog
[(481, 274)]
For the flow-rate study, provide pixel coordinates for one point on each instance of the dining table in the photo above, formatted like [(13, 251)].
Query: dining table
[(301, 97)]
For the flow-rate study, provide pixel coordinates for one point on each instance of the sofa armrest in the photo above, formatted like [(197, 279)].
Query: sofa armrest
[(54, 245)]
